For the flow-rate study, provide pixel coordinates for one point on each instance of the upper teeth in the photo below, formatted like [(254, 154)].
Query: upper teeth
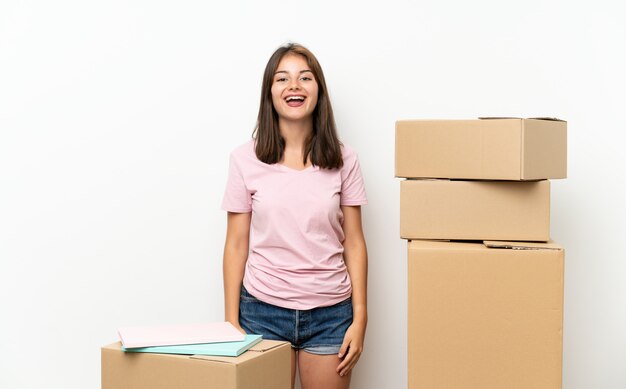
[(295, 98)]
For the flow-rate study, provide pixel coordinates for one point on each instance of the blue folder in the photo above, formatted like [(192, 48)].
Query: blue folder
[(225, 349)]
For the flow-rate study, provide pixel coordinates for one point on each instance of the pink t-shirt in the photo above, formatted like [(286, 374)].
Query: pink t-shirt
[(296, 253)]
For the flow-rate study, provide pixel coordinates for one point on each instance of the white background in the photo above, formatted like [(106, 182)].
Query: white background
[(117, 117)]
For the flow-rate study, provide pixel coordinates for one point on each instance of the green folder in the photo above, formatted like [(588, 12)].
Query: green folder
[(225, 349)]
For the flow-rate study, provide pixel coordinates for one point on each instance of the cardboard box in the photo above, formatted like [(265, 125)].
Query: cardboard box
[(482, 317), (265, 366), (491, 149), (475, 210)]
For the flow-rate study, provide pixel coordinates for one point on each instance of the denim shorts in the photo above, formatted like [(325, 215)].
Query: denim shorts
[(317, 331)]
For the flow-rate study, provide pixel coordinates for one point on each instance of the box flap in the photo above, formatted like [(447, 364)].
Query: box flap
[(266, 345), (511, 117), (262, 347), (550, 245), (497, 117), (548, 118)]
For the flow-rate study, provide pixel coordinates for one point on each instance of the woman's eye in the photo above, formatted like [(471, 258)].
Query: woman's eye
[(306, 78), (281, 79)]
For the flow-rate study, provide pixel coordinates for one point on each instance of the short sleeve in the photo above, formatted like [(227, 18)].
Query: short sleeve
[(352, 185), (237, 198)]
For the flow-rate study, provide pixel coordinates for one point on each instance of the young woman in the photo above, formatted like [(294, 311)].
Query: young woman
[(295, 260)]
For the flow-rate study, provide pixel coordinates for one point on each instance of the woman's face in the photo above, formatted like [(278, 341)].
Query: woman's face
[(294, 89)]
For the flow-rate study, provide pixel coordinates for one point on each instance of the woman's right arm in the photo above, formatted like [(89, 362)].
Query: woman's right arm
[(235, 256)]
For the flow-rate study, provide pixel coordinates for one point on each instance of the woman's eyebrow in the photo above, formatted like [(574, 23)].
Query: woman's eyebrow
[(286, 72)]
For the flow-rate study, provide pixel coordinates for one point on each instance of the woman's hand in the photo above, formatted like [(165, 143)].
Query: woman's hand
[(351, 348)]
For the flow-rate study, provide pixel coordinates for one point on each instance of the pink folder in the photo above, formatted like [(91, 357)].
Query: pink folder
[(171, 335)]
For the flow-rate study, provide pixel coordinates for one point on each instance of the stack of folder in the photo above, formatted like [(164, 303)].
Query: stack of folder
[(221, 339)]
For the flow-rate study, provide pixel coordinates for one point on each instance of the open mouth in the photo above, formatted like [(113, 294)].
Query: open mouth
[(295, 100)]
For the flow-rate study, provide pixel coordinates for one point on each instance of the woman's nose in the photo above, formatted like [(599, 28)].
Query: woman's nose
[(294, 85)]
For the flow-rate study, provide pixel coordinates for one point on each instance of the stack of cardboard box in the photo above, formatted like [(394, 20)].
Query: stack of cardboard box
[(485, 303)]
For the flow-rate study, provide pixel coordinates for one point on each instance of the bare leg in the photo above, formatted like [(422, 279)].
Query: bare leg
[(293, 367), (320, 372)]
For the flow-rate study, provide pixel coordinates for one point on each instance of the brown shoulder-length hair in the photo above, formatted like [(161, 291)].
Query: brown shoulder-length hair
[(323, 146)]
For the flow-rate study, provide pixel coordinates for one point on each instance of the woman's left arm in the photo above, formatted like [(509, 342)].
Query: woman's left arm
[(355, 257)]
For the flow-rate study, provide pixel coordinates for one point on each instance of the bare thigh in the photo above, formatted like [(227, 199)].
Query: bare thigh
[(320, 372), (294, 355)]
